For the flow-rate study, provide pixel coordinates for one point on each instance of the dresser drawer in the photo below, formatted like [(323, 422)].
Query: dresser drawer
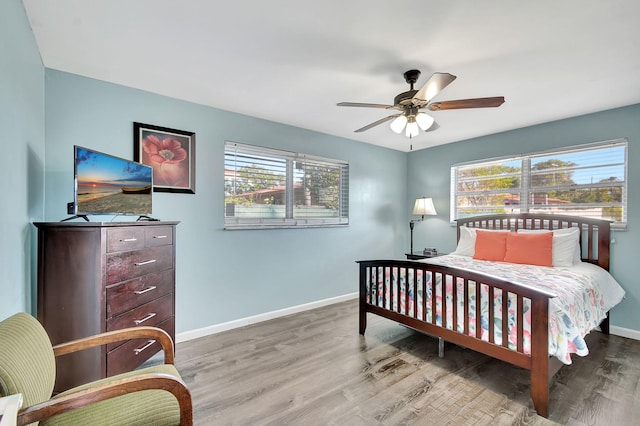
[(158, 236), (138, 291), (150, 313), (130, 264), (134, 352), (123, 239)]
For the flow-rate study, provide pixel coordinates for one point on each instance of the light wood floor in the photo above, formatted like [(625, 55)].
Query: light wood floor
[(313, 368)]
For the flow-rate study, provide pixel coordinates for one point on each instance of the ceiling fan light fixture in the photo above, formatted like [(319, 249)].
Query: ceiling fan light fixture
[(412, 129), (398, 124), (425, 121)]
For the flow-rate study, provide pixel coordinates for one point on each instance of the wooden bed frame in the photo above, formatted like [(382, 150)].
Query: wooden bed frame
[(594, 242)]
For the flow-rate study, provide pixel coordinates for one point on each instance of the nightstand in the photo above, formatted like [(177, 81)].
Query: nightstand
[(418, 256)]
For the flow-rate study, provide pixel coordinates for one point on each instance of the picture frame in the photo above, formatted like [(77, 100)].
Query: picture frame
[(171, 153)]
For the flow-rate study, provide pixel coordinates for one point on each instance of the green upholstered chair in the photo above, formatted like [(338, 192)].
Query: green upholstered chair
[(147, 396)]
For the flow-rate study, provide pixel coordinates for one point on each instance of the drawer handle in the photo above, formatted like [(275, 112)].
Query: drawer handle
[(146, 346), (153, 287), (147, 318), (159, 236), (129, 240), (146, 262)]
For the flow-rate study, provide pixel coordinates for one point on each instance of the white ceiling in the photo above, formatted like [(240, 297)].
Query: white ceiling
[(291, 61)]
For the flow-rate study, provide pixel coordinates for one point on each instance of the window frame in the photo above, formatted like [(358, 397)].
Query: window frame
[(526, 189), (289, 160)]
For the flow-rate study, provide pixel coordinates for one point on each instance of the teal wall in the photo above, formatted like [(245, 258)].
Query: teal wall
[(429, 175), (228, 275), (22, 142)]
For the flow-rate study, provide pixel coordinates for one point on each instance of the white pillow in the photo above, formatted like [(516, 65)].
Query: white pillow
[(565, 246), (467, 242)]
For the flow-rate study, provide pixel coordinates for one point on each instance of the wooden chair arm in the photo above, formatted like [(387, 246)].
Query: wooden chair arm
[(144, 332), (82, 398)]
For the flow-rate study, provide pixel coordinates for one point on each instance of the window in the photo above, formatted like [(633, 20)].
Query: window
[(588, 180), (267, 188)]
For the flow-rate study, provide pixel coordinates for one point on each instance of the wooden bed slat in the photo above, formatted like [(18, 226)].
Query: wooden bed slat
[(433, 299), (491, 316), (505, 319), (590, 241), (424, 296), (406, 288), (466, 306), (454, 298), (478, 289), (520, 325), (415, 295), (443, 299)]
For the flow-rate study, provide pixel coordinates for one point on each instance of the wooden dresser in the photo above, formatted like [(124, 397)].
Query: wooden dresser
[(95, 277)]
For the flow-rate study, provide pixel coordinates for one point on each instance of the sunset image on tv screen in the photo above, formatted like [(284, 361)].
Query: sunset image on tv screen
[(111, 185)]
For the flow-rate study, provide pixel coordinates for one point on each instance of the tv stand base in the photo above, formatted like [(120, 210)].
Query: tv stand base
[(145, 217), (76, 217)]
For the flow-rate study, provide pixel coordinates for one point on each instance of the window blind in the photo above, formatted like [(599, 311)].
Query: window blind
[(268, 188), (587, 180)]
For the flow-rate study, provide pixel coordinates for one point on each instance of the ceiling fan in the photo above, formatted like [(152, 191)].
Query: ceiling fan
[(412, 102)]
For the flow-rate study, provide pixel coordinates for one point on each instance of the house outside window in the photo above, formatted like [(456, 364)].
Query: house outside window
[(268, 188), (586, 180)]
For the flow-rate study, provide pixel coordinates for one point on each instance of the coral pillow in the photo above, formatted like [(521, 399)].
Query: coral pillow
[(532, 249), (490, 245), (566, 246)]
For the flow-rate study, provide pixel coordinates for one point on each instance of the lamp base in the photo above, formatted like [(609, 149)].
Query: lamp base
[(411, 225)]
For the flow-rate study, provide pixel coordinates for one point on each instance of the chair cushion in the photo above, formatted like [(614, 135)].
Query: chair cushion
[(27, 362), (149, 407)]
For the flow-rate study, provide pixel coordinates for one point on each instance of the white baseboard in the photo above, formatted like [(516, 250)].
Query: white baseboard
[(624, 332), (230, 325)]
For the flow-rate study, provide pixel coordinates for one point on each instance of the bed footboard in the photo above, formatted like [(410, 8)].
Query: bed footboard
[(479, 312)]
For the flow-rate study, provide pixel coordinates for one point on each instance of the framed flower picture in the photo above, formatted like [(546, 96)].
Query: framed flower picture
[(172, 155)]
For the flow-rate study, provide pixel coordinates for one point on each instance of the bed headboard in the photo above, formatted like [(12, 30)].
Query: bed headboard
[(595, 237)]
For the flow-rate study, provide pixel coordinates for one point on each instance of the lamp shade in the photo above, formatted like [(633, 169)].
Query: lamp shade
[(412, 129), (398, 124), (425, 121), (423, 207)]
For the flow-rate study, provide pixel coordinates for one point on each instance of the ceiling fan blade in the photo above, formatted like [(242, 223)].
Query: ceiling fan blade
[(467, 103), (376, 123), (356, 104), (432, 87)]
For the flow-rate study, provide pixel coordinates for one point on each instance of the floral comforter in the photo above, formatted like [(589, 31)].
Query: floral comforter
[(584, 294)]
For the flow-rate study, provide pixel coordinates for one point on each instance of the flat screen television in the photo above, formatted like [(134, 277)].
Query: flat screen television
[(109, 185)]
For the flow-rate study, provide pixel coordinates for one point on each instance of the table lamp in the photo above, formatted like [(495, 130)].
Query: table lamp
[(422, 207)]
